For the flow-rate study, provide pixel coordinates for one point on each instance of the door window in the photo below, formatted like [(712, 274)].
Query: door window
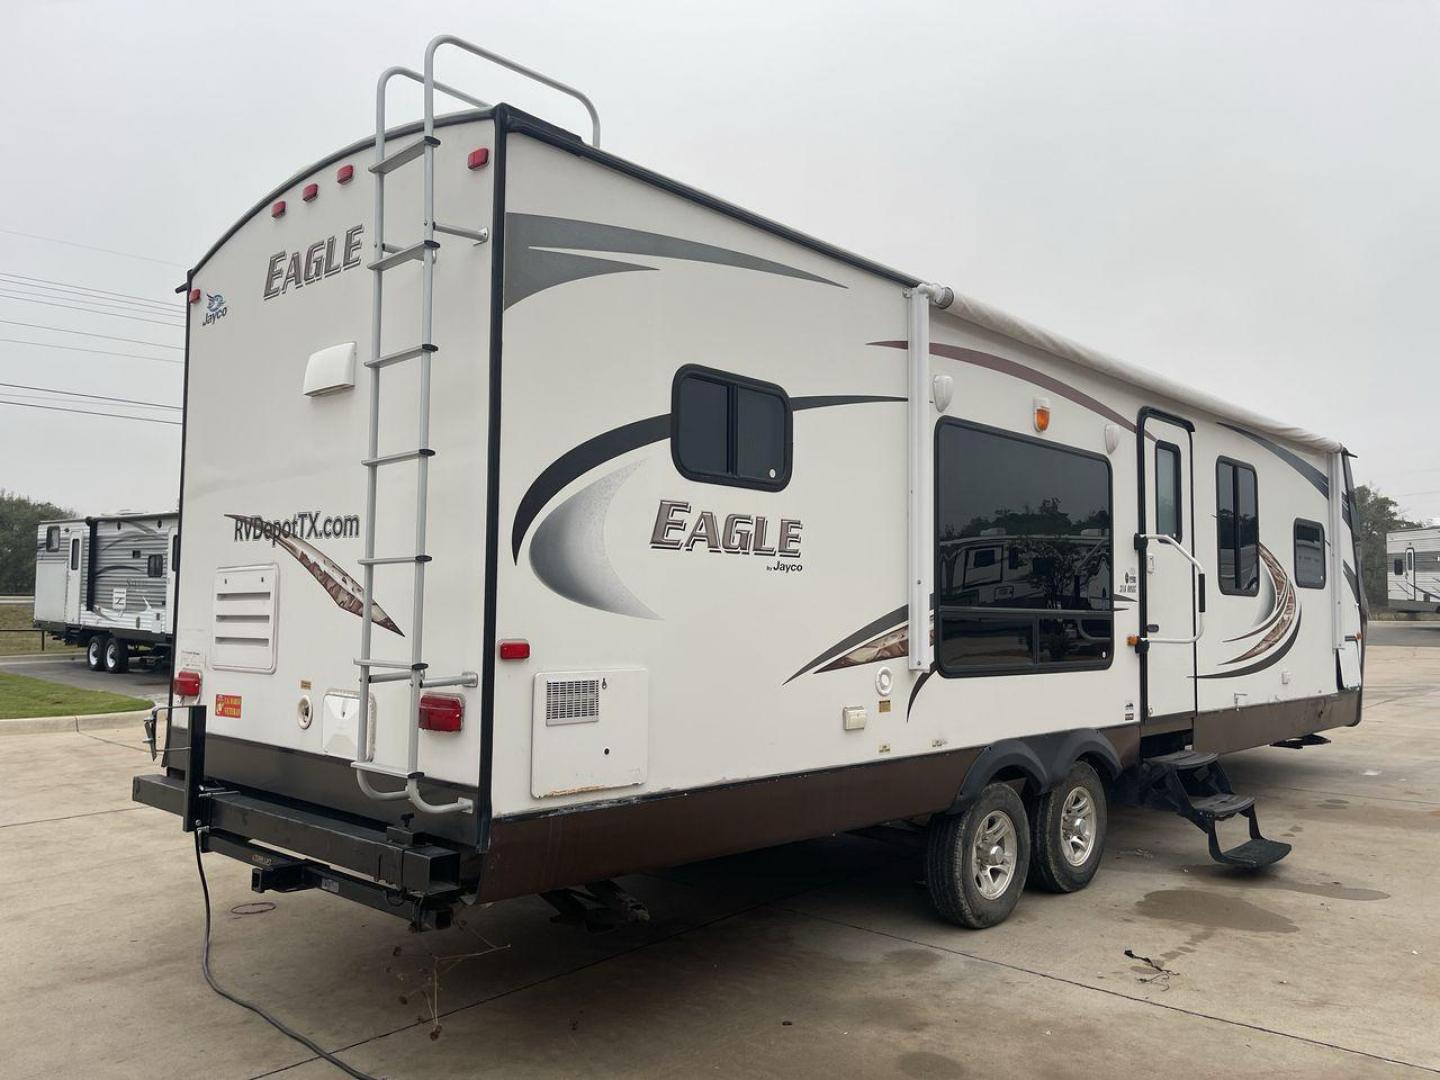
[(75, 554), (1167, 490)]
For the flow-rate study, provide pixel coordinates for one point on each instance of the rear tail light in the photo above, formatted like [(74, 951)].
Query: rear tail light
[(441, 712), (186, 684)]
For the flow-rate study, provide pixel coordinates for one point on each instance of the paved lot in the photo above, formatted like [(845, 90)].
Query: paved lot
[(1403, 632), (817, 959), (71, 670)]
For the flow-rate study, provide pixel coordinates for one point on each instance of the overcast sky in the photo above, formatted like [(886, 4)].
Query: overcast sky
[(1244, 196)]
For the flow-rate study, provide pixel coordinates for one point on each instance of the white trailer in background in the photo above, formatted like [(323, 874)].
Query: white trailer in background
[(108, 583), (548, 520), (1412, 570)]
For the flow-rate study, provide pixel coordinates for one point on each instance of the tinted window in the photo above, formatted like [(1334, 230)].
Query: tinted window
[(1023, 553), (759, 434), (75, 554), (1399, 566), (1309, 555), (730, 430), (155, 566), (1167, 490), (702, 427), (52, 538), (1237, 526)]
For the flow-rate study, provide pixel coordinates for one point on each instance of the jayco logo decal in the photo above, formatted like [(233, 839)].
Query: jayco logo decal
[(740, 534), (215, 308), (322, 259)]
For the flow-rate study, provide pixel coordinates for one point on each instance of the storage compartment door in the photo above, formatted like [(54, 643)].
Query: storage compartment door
[(591, 731)]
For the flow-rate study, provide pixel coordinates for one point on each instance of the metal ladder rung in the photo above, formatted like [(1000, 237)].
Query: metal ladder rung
[(403, 354), (403, 455), (403, 665), (394, 560), (414, 251), (391, 162), (393, 676), (386, 770)]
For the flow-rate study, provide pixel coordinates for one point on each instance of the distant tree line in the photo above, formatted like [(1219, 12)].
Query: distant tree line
[(19, 518), (1379, 514)]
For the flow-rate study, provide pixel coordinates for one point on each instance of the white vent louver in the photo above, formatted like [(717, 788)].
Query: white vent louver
[(572, 701), (243, 632)]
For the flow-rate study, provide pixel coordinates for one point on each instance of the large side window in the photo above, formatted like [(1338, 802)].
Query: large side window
[(1309, 554), (727, 429), (1023, 554), (1167, 491), (1237, 523)]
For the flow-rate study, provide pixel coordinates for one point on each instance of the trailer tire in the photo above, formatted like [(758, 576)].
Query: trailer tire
[(1067, 831), (95, 652), (976, 861), (117, 656)]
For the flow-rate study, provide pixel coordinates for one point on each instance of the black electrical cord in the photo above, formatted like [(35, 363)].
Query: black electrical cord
[(278, 1025)]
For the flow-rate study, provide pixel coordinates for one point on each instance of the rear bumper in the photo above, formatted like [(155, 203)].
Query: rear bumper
[(394, 871)]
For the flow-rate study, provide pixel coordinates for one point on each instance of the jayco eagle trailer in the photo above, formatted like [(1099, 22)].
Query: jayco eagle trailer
[(1412, 571), (108, 583), (548, 520)]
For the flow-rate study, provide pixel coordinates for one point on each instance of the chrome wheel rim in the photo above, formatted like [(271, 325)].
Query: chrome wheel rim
[(1077, 826), (994, 854)]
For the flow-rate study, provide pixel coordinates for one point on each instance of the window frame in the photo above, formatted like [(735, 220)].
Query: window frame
[(1295, 554), (52, 537), (1228, 588), (1179, 534), (1036, 615), (731, 381)]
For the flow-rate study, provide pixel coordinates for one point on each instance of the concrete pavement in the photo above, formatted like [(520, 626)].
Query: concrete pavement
[(819, 959)]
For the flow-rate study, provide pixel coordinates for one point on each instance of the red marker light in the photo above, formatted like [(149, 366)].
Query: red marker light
[(194, 296), (311, 190), (441, 712), (186, 684), (278, 209), (515, 650), (345, 174), (478, 159)]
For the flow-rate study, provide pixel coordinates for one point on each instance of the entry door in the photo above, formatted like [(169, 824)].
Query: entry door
[(1168, 580), (74, 598)]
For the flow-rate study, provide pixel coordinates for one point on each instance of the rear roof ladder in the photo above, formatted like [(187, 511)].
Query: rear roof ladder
[(388, 257)]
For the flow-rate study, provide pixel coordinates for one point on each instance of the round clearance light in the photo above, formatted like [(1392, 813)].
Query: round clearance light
[(1042, 414)]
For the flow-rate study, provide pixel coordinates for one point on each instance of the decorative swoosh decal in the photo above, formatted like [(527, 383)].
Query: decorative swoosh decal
[(1020, 371), (1317, 478), (539, 253), (592, 453), (343, 589)]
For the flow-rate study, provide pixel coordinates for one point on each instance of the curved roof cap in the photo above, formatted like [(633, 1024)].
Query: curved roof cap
[(991, 318)]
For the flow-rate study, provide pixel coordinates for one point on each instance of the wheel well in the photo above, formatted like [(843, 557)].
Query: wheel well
[(1019, 779)]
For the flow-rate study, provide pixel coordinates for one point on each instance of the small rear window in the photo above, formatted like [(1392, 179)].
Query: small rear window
[(729, 429), (52, 538)]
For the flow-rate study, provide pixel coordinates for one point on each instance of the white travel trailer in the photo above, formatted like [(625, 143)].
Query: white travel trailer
[(1412, 573), (108, 583), (548, 520)]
